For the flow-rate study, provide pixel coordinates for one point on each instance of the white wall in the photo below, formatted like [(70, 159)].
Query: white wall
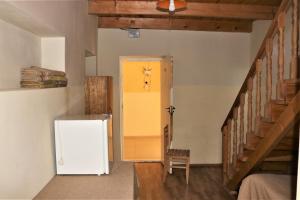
[(26, 118), (209, 68), (18, 49), (91, 66), (53, 53), (26, 144), (259, 31)]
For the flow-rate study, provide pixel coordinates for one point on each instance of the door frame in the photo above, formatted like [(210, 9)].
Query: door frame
[(121, 61)]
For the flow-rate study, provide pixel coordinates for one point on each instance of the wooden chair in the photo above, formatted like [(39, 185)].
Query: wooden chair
[(175, 158)]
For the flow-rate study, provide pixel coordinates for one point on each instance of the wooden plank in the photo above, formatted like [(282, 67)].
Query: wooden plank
[(194, 9), (254, 2), (222, 25), (279, 130)]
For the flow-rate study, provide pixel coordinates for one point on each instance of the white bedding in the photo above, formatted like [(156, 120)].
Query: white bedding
[(267, 187)]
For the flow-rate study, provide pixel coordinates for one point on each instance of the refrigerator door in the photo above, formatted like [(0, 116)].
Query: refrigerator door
[(81, 146)]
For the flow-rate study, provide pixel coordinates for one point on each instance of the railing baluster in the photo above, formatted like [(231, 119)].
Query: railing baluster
[(234, 149), (242, 105), (249, 111), (280, 75), (258, 90), (225, 153), (269, 52), (295, 38), (229, 174)]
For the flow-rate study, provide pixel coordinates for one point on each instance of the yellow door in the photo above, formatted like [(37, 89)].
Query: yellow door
[(166, 95)]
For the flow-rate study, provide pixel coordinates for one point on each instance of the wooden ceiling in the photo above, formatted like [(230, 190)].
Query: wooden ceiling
[(204, 15)]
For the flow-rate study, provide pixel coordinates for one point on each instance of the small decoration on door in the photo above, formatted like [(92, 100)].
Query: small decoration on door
[(147, 78)]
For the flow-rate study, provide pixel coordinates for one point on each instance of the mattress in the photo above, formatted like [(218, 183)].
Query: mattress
[(268, 187)]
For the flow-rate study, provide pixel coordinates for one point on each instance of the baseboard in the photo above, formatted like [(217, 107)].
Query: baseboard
[(191, 165), (206, 165)]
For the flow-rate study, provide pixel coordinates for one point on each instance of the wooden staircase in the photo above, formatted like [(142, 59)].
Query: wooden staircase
[(270, 141)]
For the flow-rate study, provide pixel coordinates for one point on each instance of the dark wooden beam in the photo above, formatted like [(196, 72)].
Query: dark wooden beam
[(177, 24), (254, 2), (194, 9)]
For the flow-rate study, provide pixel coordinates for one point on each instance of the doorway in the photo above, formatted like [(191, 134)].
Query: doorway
[(142, 99)]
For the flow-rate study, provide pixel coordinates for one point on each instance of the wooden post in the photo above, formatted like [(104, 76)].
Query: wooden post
[(250, 111), (242, 107), (295, 40), (225, 153), (258, 90), (280, 75), (229, 174), (234, 149)]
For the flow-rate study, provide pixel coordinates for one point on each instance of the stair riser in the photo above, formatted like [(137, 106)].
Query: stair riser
[(273, 111), (262, 129), (252, 141), (288, 89), (288, 144)]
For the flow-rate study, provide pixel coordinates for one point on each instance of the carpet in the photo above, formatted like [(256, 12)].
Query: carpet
[(119, 184)]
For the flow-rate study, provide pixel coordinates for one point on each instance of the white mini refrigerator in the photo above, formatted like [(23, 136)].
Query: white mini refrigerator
[(82, 144)]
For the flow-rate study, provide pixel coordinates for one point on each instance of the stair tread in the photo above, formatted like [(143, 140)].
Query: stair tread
[(291, 81), (245, 156), (279, 102), (288, 143), (266, 121), (277, 155)]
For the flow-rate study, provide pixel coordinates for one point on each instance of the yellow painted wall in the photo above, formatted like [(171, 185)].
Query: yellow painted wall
[(141, 111), (133, 79)]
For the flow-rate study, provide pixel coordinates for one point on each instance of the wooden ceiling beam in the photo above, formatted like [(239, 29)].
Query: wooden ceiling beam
[(194, 9), (176, 24)]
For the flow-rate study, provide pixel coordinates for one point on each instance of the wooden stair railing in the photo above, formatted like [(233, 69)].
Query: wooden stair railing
[(268, 137)]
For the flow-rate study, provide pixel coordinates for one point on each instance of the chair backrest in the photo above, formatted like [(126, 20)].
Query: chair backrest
[(166, 139)]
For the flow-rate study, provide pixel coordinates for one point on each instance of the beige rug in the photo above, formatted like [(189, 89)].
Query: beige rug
[(117, 185)]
